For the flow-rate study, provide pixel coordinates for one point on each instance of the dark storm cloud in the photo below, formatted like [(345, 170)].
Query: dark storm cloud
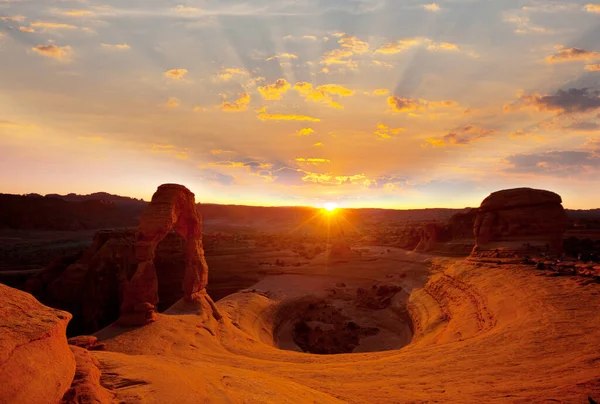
[(573, 100)]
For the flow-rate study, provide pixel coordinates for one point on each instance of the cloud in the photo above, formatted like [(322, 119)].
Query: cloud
[(572, 54), (216, 152), (170, 150), (353, 44), (323, 94), (122, 46), (215, 176), (62, 53), (51, 25), (14, 18), (520, 134), (27, 29), (593, 68), (187, 10), (378, 92), (176, 74), (338, 57), (228, 73), (381, 63), (318, 144), (401, 45), (574, 100), (173, 102), (314, 161), (431, 7), (385, 132), (550, 8), (592, 8), (274, 91), (76, 13), (264, 116), (241, 104), (305, 131), (462, 136), (330, 179), (524, 25), (554, 163), (406, 105), (283, 56), (583, 126), (444, 46)]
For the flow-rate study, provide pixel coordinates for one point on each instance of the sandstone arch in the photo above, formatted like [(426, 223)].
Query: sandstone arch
[(173, 207)]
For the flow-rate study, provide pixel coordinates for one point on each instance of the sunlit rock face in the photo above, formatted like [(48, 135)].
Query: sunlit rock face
[(36, 364), (173, 207), (517, 221)]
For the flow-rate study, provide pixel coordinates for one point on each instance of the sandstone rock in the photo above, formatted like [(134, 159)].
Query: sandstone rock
[(461, 224), (173, 207), (36, 365), (86, 387), (340, 251), (83, 341), (519, 221), (429, 236)]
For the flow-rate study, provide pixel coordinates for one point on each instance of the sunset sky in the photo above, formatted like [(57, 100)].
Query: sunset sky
[(367, 103)]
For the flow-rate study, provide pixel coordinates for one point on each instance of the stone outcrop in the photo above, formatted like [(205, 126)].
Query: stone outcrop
[(86, 387), (461, 224), (340, 251), (172, 207), (519, 221), (429, 236), (36, 364)]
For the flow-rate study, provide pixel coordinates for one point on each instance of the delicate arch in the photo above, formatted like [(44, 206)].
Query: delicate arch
[(173, 207)]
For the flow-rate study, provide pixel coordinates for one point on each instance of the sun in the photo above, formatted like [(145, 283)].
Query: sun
[(330, 206)]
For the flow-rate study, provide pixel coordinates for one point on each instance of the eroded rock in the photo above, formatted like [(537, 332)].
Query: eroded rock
[(521, 220), (36, 364)]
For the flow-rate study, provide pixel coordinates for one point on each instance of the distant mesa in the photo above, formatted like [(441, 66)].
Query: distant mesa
[(520, 220)]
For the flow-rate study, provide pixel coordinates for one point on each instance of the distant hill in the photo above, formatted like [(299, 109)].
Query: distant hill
[(124, 202), (36, 212)]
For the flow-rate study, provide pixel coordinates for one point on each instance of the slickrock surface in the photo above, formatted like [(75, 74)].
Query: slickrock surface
[(517, 221), (36, 364)]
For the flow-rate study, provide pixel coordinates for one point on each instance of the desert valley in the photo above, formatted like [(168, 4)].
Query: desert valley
[(243, 304)]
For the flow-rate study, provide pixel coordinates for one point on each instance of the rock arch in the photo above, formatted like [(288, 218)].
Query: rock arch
[(173, 207)]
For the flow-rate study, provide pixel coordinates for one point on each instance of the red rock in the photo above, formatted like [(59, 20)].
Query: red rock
[(173, 207), (86, 387), (36, 364), (340, 251), (83, 341), (517, 221)]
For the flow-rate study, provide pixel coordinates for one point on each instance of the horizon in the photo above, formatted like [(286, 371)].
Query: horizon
[(363, 103), (340, 207)]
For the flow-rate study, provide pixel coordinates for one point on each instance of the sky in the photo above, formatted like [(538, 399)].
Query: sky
[(363, 103)]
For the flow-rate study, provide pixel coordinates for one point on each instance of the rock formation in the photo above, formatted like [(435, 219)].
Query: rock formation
[(461, 224), (340, 251), (517, 221), (172, 208), (36, 364), (429, 236)]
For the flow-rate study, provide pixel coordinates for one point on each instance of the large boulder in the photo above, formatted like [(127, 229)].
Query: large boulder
[(36, 364), (518, 221)]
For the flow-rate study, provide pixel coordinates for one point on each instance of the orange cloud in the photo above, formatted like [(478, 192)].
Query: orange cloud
[(401, 45), (173, 102), (573, 100), (431, 7), (284, 55), (571, 54), (378, 92), (228, 73), (14, 18), (76, 13), (443, 46), (186, 9), (62, 53), (353, 44), (399, 104), (52, 25), (264, 116), (241, 104), (318, 144), (27, 29), (462, 136), (169, 149), (381, 63), (385, 132), (315, 161), (323, 94), (592, 8), (593, 68), (274, 91), (176, 74), (305, 131), (122, 46), (329, 179)]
